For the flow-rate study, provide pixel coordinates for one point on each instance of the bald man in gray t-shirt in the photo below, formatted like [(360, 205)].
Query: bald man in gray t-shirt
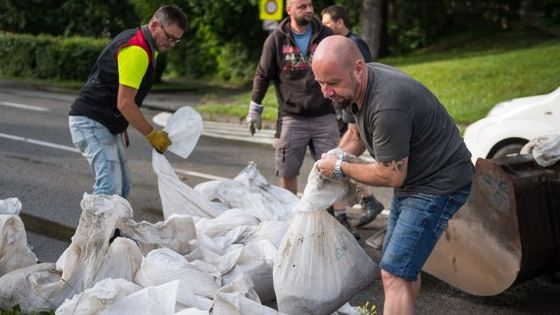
[(418, 151)]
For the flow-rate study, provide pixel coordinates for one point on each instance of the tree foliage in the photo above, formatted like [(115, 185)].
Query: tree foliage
[(225, 37)]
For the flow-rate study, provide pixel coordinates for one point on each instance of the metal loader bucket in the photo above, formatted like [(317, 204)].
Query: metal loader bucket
[(507, 232)]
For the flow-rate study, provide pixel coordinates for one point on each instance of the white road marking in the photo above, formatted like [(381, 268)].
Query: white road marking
[(39, 142), (25, 106), (198, 174), (75, 150)]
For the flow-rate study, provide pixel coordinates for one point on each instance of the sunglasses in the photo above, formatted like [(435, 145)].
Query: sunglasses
[(170, 38)]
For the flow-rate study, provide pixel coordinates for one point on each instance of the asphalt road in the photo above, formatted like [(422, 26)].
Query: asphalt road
[(39, 166)]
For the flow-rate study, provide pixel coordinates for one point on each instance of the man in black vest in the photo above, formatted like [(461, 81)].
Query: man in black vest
[(111, 98)]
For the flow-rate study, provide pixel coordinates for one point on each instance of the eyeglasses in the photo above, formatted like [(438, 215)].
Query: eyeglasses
[(170, 38)]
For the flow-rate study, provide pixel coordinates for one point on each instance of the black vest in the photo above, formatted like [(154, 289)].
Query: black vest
[(98, 97)]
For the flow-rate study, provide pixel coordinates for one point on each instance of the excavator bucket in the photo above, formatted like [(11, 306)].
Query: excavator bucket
[(507, 232)]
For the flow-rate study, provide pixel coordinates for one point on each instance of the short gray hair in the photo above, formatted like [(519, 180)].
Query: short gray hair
[(171, 14)]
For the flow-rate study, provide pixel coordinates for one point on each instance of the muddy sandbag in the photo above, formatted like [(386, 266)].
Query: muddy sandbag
[(320, 265), (14, 251), (256, 261), (174, 233), (95, 300), (89, 258), (239, 297), (35, 288)]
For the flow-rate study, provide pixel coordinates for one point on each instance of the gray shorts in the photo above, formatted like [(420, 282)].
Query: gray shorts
[(319, 133)]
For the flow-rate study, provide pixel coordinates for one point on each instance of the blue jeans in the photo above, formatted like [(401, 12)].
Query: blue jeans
[(415, 224), (105, 153)]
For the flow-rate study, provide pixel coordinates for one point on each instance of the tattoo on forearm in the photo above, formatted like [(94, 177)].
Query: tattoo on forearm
[(396, 166)]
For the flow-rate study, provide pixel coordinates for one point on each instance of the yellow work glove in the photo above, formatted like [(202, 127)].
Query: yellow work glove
[(159, 140)]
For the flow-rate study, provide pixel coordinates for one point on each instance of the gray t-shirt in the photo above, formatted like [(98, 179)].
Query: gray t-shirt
[(401, 118)]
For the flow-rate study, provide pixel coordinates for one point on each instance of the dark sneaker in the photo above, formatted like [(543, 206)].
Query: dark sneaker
[(372, 208), (343, 219)]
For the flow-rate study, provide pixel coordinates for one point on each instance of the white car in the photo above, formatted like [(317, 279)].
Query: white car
[(511, 124)]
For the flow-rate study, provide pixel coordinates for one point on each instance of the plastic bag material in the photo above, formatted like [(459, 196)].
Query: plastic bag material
[(319, 265), (10, 206), (35, 288), (14, 251), (545, 150), (256, 261), (154, 300), (251, 177), (239, 298), (227, 221), (83, 260), (174, 233), (192, 311), (272, 231), (96, 299), (196, 288), (184, 128), (250, 191), (176, 196)]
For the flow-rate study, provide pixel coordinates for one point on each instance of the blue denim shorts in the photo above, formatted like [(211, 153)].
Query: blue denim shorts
[(415, 224)]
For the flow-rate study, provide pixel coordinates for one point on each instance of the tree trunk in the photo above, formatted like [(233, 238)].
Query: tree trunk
[(373, 22)]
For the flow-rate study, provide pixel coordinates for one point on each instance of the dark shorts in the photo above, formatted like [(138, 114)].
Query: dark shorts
[(319, 133), (415, 224)]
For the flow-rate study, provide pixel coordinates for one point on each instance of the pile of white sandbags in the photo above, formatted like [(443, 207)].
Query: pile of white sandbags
[(216, 252)]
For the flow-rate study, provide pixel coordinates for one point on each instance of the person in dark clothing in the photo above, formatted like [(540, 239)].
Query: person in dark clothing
[(111, 98), (336, 18), (418, 150), (305, 117)]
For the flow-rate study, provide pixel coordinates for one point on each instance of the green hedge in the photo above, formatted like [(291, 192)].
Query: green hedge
[(48, 57)]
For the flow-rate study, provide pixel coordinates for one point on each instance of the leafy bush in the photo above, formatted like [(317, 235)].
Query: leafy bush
[(48, 57)]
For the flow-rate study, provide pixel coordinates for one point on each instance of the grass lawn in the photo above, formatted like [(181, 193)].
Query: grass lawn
[(468, 73)]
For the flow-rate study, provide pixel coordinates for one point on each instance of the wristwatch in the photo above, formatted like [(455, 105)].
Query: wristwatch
[(338, 164)]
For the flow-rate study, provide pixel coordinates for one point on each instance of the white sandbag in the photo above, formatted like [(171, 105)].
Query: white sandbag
[(184, 128), (10, 206), (83, 260), (14, 251), (208, 188), (239, 298), (546, 150), (250, 191), (256, 261), (122, 260), (157, 300), (223, 263), (192, 311), (233, 236), (272, 231), (178, 197), (174, 233), (196, 288), (319, 265), (251, 177), (227, 221), (35, 288), (346, 309), (95, 300)]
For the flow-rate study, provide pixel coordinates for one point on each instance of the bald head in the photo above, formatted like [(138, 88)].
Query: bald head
[(340, 69), (337, 50)]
